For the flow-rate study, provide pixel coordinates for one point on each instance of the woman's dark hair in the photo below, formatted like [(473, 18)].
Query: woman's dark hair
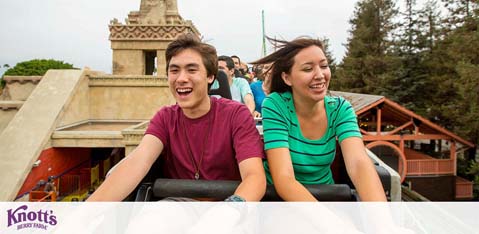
[(282, 59)]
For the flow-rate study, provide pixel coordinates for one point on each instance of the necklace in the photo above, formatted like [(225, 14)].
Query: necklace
[(188, 147)]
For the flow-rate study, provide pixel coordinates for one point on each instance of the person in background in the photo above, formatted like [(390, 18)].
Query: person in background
[(201, 137), (246, 73), (257, 87), (239, 87), (301, 124), (239, 69)]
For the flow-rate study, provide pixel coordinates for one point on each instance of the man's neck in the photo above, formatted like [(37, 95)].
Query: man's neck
[(230, 80), (198, 111)]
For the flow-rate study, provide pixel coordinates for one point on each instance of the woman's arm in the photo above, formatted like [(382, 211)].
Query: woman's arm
[(286, 185), (361, 170)]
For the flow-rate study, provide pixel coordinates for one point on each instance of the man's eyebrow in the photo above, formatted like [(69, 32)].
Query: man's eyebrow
[(189, 65), (192, 65), (173, 66)]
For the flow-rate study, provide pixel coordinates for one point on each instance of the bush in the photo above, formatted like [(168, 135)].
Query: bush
[(36, 67)]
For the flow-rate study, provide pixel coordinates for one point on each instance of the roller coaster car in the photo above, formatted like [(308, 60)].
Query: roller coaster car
[(154, 188)]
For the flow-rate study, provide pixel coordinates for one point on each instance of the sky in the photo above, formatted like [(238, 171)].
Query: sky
[(77, 31)]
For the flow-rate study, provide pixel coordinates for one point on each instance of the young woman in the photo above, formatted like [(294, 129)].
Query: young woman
[(301, 124)]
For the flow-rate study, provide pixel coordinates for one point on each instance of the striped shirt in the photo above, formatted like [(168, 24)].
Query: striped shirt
[(311, 158)]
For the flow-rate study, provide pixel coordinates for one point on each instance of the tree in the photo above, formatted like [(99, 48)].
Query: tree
[(329, 56), (368, 60), (455, 63), (37, 67), (410, 85)]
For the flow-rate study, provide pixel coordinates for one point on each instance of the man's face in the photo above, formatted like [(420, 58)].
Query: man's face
[(222, 66), (188, 80), (237, 63)]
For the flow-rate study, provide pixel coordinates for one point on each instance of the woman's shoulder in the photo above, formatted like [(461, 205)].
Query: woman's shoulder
[(280, 97)]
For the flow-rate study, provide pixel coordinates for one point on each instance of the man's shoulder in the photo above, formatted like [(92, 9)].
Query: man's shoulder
[(168, 110), (225, 104), (240, 81), (256, 84), (230, 109)]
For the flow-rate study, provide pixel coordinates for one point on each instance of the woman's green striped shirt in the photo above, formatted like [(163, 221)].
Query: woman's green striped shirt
[(311, 158)]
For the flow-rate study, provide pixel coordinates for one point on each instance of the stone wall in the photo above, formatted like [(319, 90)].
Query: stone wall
[(17, 89), (127, 97), (8, 109), (20, 87)]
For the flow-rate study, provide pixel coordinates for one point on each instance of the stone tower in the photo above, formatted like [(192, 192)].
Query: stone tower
[(139, 44)]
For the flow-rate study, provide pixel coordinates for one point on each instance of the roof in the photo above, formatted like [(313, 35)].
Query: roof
[(393, 111), (357, 100)]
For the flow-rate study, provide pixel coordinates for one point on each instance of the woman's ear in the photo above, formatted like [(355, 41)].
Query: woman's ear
[(286, 78)]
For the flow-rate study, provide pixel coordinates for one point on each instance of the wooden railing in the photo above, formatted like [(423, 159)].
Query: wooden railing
[(73, 184), (41, 196), (463, 188), (430, 167)]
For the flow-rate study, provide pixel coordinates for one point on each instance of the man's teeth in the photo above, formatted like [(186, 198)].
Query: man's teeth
[(184, 90)]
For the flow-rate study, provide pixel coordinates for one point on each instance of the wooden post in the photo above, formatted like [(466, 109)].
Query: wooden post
[(378, 122), (401, 147), (453, 156)]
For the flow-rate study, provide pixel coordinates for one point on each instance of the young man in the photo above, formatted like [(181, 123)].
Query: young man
[(239, 87), (237, 70), (199, 137)]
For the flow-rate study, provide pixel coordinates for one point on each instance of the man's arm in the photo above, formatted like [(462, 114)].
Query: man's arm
[(361, 170), (249, 102), (131, 170), (253, 180)]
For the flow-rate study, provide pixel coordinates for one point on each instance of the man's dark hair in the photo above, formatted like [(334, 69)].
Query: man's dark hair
[(230, 64), (282, 59), (191, 41), (235, 56)]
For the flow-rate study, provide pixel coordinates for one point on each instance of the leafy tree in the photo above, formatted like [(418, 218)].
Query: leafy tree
[(410, 85), (37, 67), (455, 65), (368, 60), (329, 56)]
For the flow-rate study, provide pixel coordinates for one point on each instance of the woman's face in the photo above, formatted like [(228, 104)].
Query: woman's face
[(310, 75)]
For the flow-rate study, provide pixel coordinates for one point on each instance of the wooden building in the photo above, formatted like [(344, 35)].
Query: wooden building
[(422, 152)]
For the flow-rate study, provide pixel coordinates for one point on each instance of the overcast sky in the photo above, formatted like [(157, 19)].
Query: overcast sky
[(77, 31)]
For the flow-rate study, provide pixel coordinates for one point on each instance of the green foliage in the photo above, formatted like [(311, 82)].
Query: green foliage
[(409, 84), (424, 62), (329, 57), (454, 66), (37, 67), (368, 60), (469, 169)]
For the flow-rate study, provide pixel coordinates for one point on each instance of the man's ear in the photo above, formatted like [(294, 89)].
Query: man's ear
[(210, 79), (286, 78)]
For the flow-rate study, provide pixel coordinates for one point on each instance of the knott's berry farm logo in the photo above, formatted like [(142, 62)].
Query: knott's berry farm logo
[(22, 218)]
